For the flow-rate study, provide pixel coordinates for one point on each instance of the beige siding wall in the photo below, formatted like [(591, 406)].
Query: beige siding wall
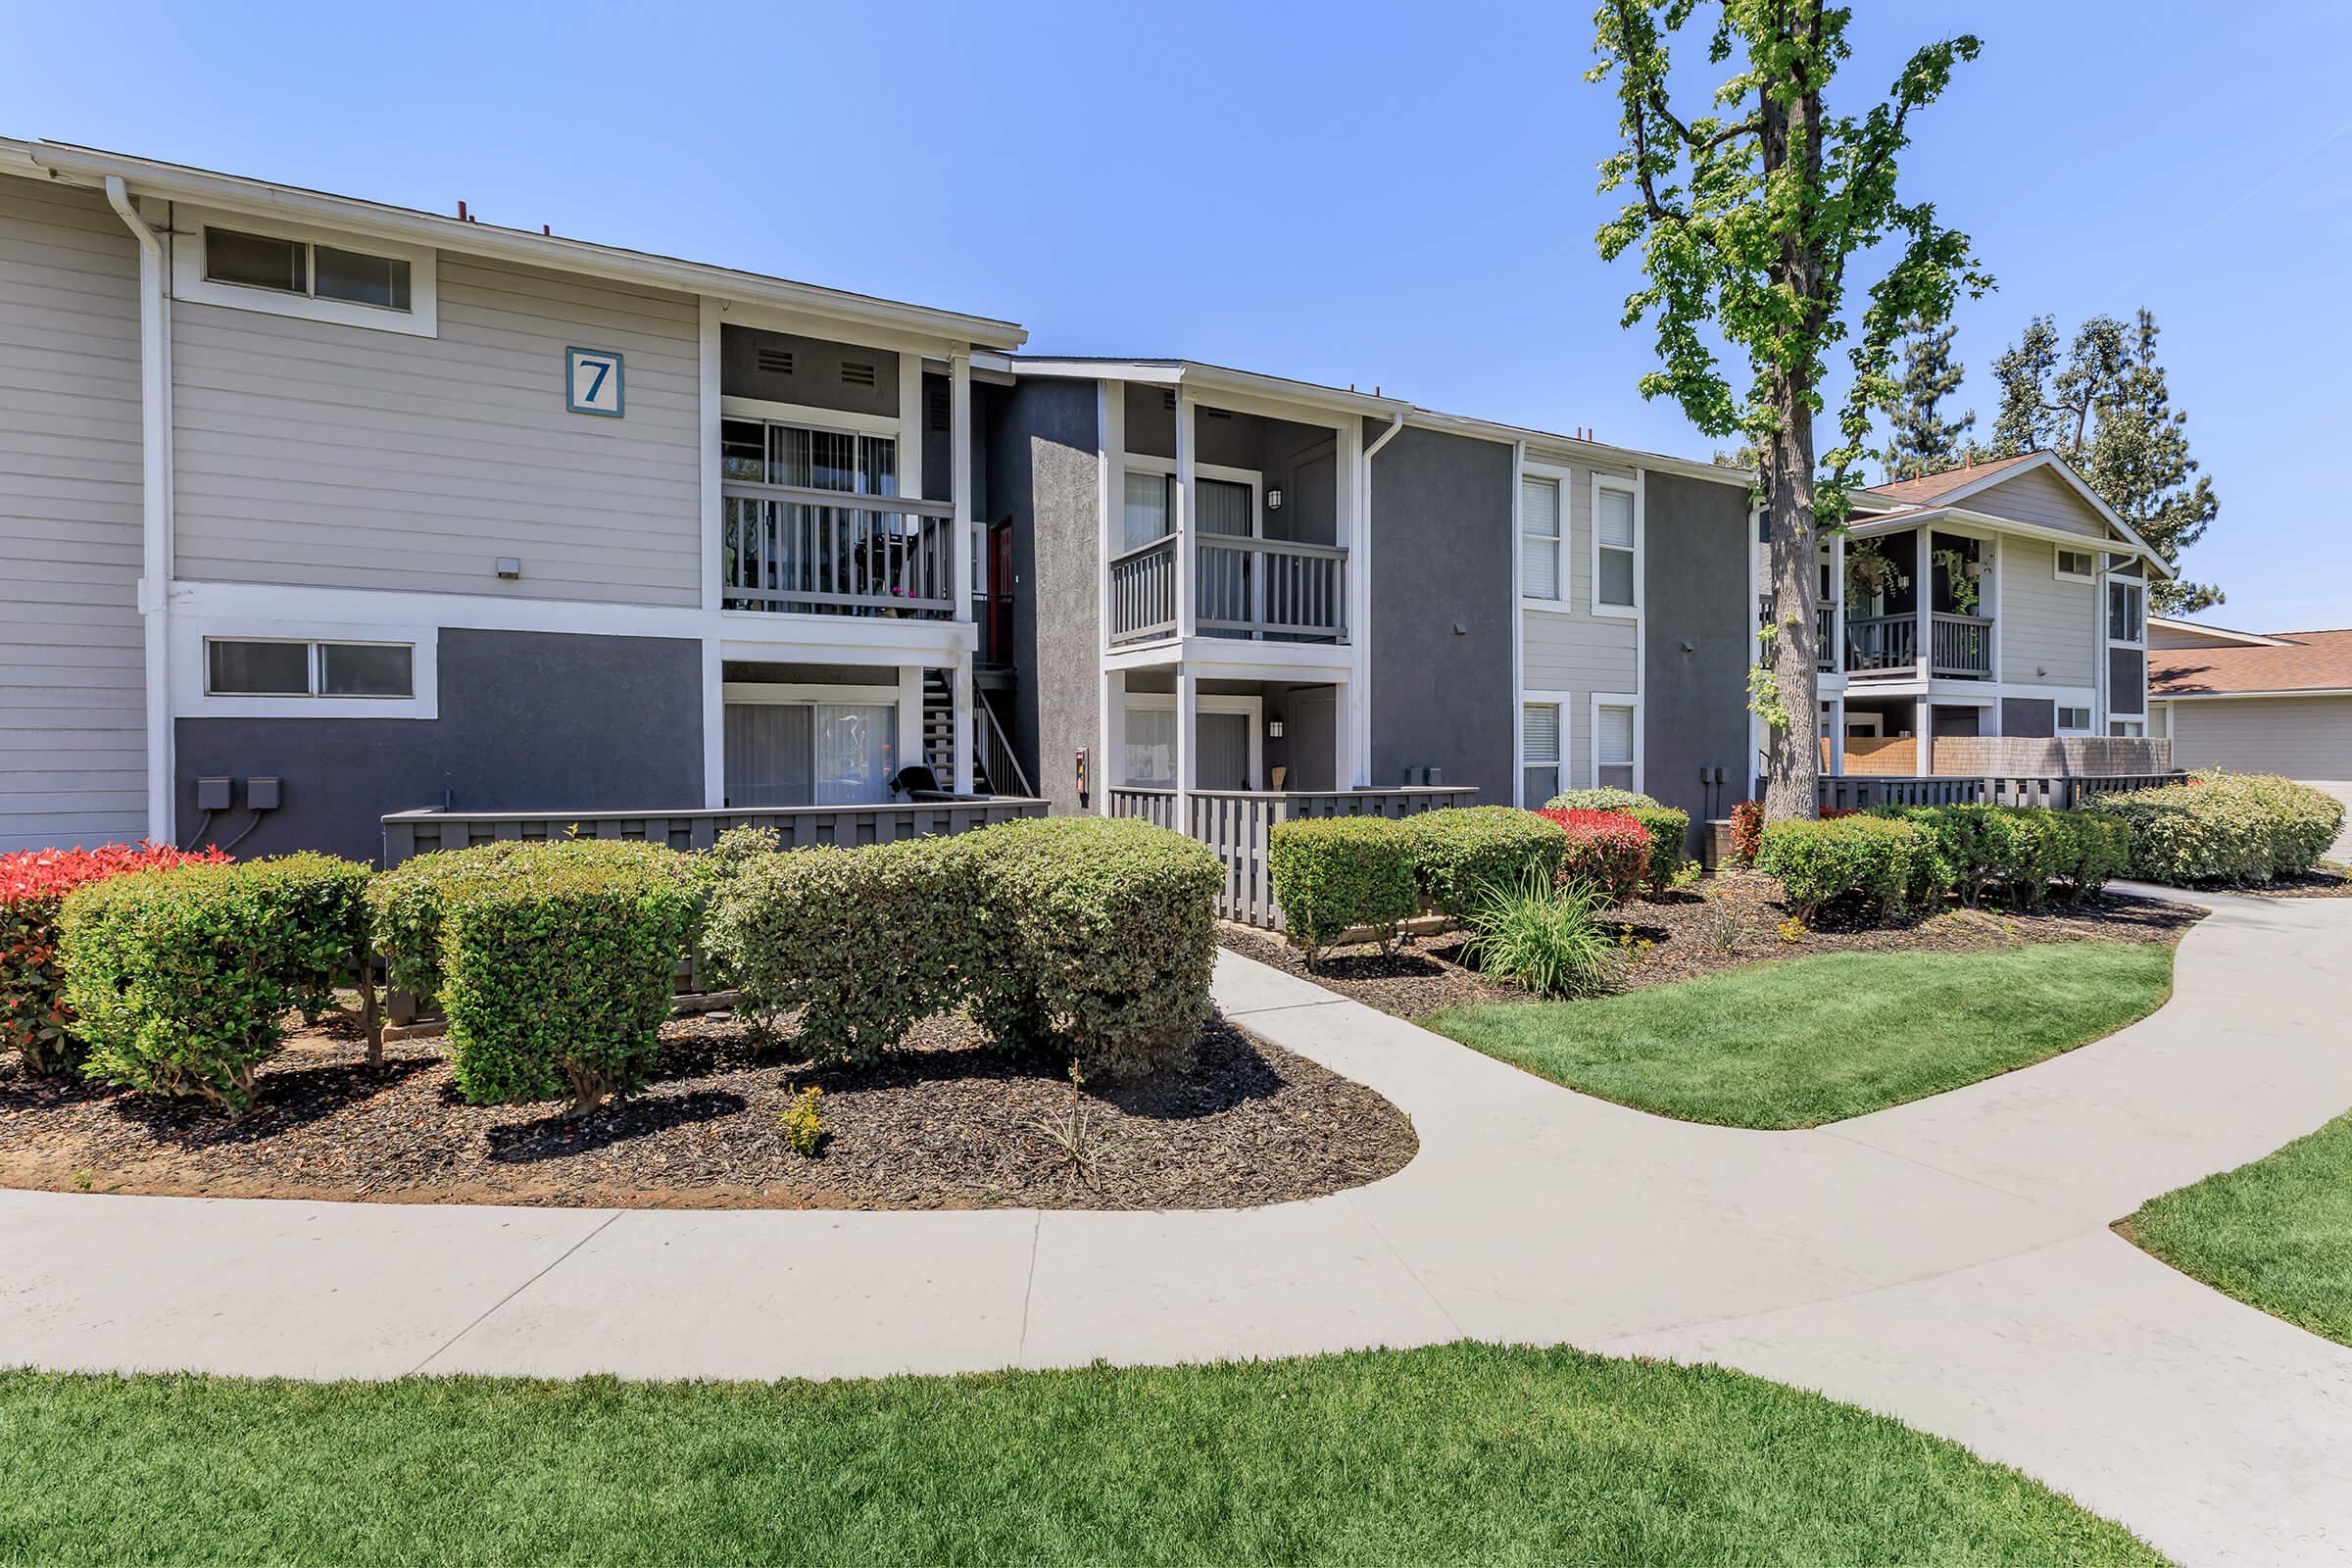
[(2040, 497), (2301, 737), (318, 453), (73, 724), (1572, 649), (2045, 623)]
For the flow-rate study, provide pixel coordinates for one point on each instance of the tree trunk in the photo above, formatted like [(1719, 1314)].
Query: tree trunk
[(1793, 751)]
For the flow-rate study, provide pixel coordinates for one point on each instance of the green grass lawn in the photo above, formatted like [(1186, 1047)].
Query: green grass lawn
[(1461, 1452), (2276, 1234), (1808, 1040)]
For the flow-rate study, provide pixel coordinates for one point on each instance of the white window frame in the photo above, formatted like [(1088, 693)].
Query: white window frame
[(1564, 579), (2058, 710), (1144, 463), (1630, 487), (2138, 585), (423, 318), (782, 695), (1204, 703), (2058, 569), (191, 671), (2127, 729), (1601, 700), (1562, 704)]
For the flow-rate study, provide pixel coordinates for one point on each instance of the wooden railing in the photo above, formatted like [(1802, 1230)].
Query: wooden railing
[(1855, 791), (821, 552), (421, 832), (1241, 587), (1825, 629), (1959, 645), (1236, 824), (1882, 644)]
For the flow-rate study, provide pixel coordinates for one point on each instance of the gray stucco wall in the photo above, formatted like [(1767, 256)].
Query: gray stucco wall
[(1441, 557), (529, 721), (1041, 467), (1697, 626)]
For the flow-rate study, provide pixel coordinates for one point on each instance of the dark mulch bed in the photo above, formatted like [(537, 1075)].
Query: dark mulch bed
[(942, 1124), (1725, 923), (2323, 883)]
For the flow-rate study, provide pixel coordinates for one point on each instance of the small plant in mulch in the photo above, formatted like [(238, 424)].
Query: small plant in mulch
[(1070, 1140), (803, 1122), (1793, 929), (1722, 926)]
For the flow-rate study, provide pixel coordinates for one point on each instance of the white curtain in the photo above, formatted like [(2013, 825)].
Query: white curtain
[(1147, 508), (1151, 759)]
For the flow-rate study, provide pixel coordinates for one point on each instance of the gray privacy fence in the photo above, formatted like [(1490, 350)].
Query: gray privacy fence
[(421, 832), (1854, 790), (1235, 824)]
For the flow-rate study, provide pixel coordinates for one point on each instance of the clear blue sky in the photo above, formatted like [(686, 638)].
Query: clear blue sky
[(1398, 194)]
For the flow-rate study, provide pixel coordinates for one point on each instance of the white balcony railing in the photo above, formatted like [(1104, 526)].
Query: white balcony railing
[(1241, 587), (820, 551)]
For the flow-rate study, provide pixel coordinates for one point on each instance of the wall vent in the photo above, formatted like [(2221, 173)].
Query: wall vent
[(1167, 400), (935, 405), (774, 362), (1218, 414), (857, 372)]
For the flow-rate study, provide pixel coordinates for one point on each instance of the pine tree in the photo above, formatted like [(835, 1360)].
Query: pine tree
[(2107, 410), (1921, 440)]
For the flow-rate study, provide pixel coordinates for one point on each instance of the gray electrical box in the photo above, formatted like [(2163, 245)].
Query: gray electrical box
[(261, 794), (212, 793)]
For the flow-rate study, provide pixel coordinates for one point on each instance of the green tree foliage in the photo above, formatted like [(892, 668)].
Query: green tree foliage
[(1920, 440), (1749, 219), (2104, 407)]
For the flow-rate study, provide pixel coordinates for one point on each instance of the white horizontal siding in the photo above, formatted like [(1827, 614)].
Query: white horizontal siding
[(315, 454), (2044, 624), (2301, 737), (2040, 497), (1572, 651), (72, 704)]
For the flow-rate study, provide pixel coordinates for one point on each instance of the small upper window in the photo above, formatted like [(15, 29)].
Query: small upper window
[(1540, 548), (2126, 609), (297, 266), (2080, 566), (237, 667)]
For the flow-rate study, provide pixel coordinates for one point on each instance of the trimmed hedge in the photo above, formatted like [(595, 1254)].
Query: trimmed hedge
[(2225, 827), (1669, 830), (2025, 849), (1094, 933), (34, 1018), (1462, 852), (1334, 872), (1599, 800), (1608, 852), (1884, 861), (180, 978), (557, 973)]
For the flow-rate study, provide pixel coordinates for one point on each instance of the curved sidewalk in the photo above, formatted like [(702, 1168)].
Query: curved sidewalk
[(1948, 1261)]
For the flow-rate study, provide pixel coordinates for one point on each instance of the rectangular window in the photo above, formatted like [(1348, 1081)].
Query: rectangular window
[(1151, 749), (239, 666), (2078, 566), (1148, 506), (2128, 728), (2125, 611), (1613, 747), (1539, 542), (297, 266), (2074, 720), (1614, 543), (360, 278), (811, 753), (1540, 724)]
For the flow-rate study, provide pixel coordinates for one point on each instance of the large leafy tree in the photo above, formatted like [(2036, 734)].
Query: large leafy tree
[(2104, 407), (1920, 440), (1749, 218)]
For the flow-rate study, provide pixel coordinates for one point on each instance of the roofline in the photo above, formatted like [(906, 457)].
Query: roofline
[(1575, 447), (90, 165), (2249, 639), (1911, 516), (1194, 373), (2156, 695), (2045, 459)]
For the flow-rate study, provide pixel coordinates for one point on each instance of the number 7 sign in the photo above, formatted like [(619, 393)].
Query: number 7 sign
[(592, 382)]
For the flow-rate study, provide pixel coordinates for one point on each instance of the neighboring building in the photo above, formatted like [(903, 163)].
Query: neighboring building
[(1991, 620), (2275, 703)]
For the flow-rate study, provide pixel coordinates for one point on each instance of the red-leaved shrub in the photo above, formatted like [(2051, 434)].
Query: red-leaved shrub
[(1747, 831), (35, 1019), (1606, 851)]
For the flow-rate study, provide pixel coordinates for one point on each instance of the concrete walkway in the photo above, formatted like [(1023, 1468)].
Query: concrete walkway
[(1946, 1261)]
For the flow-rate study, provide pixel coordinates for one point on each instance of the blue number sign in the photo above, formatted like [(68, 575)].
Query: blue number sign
[(592, 382)]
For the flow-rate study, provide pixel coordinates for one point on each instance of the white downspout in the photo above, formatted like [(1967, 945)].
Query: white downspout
[(155, 498), (1359, 611)]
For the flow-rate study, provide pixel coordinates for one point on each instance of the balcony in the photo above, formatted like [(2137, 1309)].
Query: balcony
[(1885, 647), (1825, 629), (825, 553), (1241, 587)]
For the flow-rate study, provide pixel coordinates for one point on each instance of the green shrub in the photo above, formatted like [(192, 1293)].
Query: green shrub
[(1460, 853), (1599, 800), (2093, 848), (180, 979), (2225, 827), (557, 971), (867, 942), (1551, 941), (1097, 931), (1334, 872), (1883, 860), (1669, 830)]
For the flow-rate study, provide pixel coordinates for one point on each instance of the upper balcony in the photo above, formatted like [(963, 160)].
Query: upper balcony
[(1268, 589), (1914, 606), (809, 551)]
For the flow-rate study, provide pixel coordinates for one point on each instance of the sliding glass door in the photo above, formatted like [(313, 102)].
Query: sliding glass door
[(809, 754)]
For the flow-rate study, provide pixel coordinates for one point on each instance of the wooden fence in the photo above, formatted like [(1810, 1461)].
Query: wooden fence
[(1236, 823)]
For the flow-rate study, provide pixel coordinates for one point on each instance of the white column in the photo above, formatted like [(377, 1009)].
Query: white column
[(1180, 517), (1836, 652), (959, 470), (1923, 581), (910, 424), (1344, 766), (1188, 696), (1837, 734), (1109, 770), (911, 716), (962, 685), (1923, 733)]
